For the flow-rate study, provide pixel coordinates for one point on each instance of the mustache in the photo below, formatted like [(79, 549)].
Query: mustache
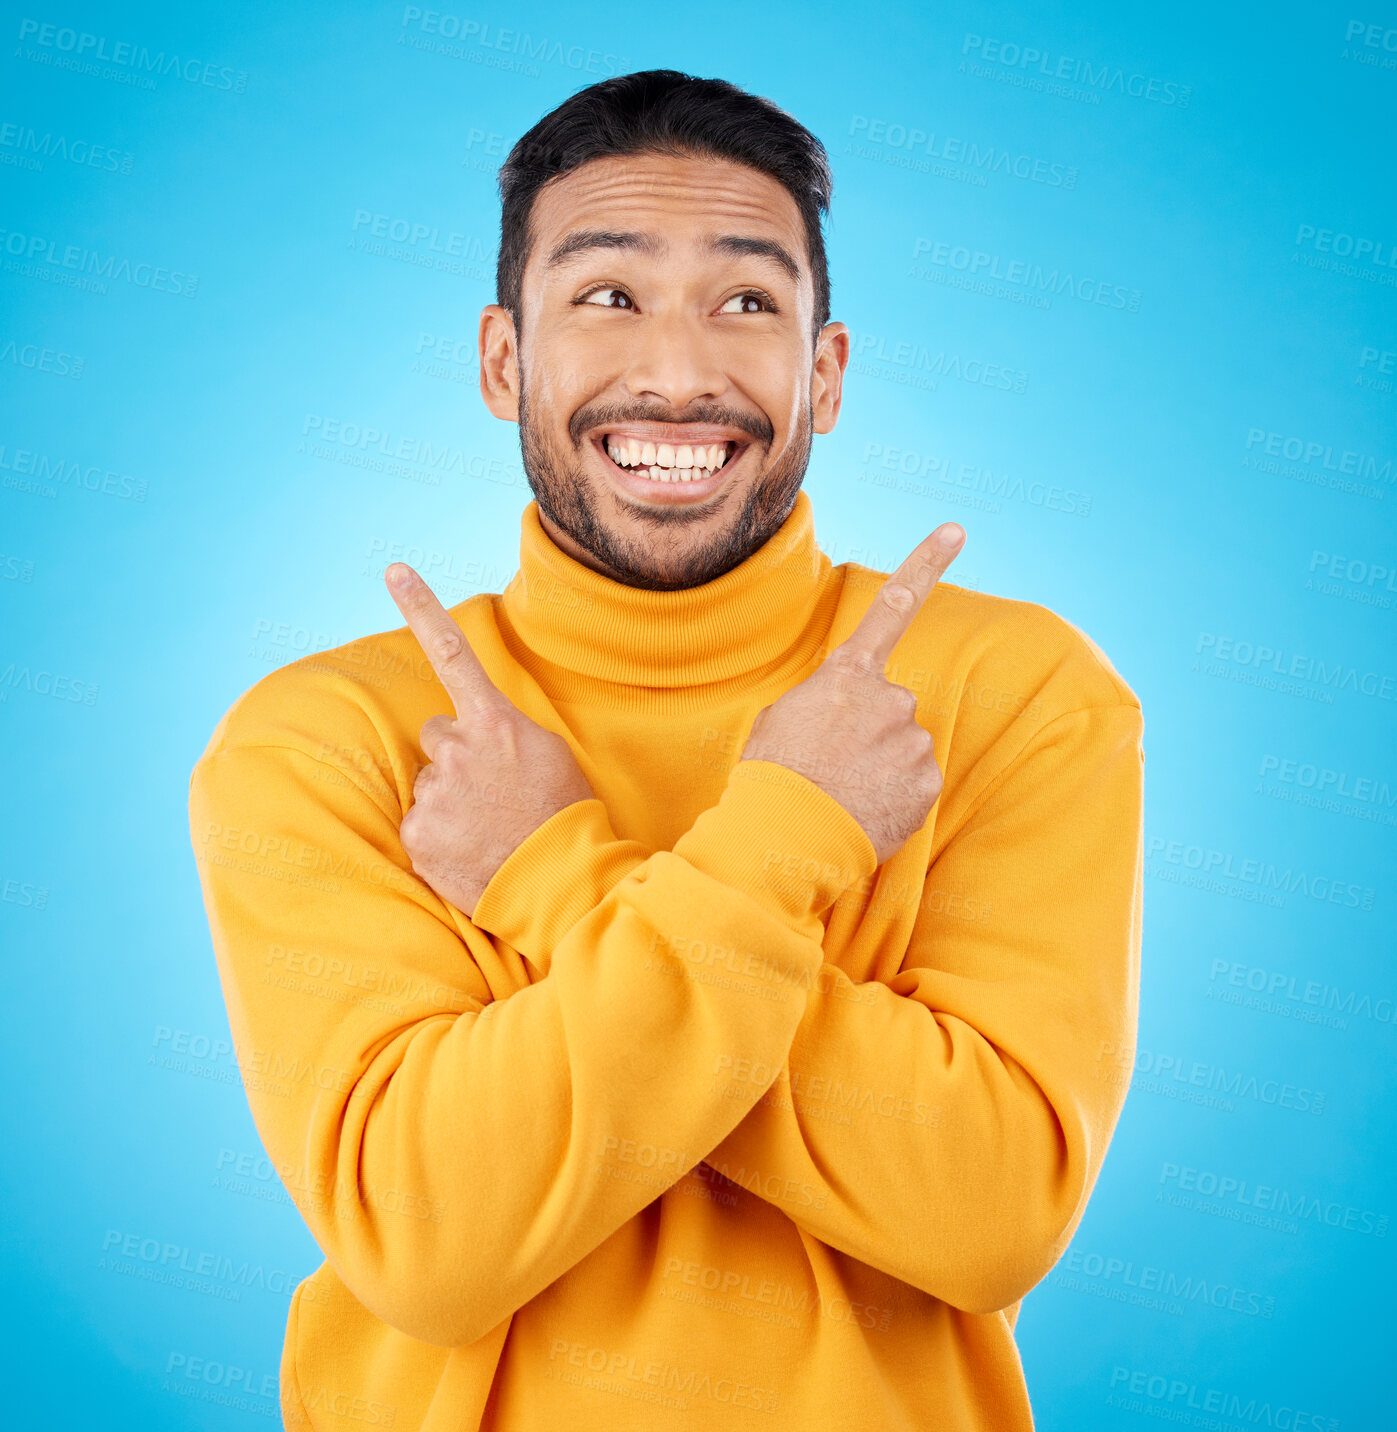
[(594, 415)]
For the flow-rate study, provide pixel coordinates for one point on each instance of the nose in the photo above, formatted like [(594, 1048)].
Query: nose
[(673, 358)]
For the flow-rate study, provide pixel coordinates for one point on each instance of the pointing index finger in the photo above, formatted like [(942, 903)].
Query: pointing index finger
[(445, 644), (900, 598)]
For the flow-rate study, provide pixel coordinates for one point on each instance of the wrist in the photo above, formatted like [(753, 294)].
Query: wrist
[(558, 873), (782, 839)]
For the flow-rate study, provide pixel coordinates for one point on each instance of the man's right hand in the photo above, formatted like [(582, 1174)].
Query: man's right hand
[(492, 777), (851, 730)]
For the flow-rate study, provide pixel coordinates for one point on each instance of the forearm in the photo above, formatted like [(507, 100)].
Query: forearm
[(905, 1138), (499, 1121), (519, 1122), (568, 866), (948, 1126)]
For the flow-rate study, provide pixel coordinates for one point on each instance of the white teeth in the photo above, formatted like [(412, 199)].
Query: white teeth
[(667, 462)]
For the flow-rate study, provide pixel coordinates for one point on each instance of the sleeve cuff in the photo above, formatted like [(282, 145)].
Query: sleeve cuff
[(781, 839), (560, 872)]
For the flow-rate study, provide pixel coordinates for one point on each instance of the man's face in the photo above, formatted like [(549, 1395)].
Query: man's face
[(667, 384)]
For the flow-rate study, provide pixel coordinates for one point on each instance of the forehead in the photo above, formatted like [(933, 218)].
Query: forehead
[(683, 200)]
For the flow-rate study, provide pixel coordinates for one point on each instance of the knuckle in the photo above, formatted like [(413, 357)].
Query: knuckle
[(898, 597), (451, 750)]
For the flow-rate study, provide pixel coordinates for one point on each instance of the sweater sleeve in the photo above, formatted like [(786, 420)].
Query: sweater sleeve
[(454, 1147), (948, 1127), (555, 876)]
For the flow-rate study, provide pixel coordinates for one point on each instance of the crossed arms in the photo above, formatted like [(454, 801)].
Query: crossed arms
[(944, 1124), (387, 1076)]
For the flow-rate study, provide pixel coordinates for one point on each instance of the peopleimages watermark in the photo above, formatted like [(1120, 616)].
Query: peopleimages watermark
[(43, 682), (1219, 865), (25, 148), (1246, 1201), (1359, 247), (186, 1267), (1325, 780), (415, 233), (946, 471), (978, 266), (1377, 367), (909, 146), (1280, 992), (1197, 1081), (917, 366), (23, 893), (1173, 1399), (1353, 579), (1375, 37), (1332, 675), (1345, 462), (82, 51), (229, 1376), (402, 455), (1318, 787), (1362, 256), (1035, 68), (443, 26), (72, 265), (29, 471), (1160, 1286), (38, 358)]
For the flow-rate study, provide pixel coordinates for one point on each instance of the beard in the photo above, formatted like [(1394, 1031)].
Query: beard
[(563, 494)]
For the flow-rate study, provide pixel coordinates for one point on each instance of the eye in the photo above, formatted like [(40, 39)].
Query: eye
[(753, 301), (607, 298)]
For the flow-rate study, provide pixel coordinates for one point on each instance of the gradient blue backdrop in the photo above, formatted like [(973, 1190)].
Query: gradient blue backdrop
[(1124, 307)]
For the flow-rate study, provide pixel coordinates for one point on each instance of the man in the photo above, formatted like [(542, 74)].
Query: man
[(688, 989)]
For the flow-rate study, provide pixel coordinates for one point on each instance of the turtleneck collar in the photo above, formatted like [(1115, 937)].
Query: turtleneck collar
[(735, 626)]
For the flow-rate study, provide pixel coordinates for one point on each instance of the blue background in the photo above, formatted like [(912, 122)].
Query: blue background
[(195, 528)]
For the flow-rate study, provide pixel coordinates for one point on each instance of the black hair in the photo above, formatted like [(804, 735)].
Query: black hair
[(662, 112)]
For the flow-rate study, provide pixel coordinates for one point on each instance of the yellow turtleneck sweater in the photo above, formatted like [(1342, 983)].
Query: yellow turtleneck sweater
[(698, 1119)]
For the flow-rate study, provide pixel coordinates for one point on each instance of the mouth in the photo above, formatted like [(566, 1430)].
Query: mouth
[(669, 464)]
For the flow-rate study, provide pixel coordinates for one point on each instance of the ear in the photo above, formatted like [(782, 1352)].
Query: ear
[(827, 376), (499, 362)]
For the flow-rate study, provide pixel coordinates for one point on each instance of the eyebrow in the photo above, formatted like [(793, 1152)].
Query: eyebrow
[(735, 245), (585, 240), (740, 246)]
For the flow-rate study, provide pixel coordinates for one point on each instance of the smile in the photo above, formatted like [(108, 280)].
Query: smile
[(661, 465), (667, 462)]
